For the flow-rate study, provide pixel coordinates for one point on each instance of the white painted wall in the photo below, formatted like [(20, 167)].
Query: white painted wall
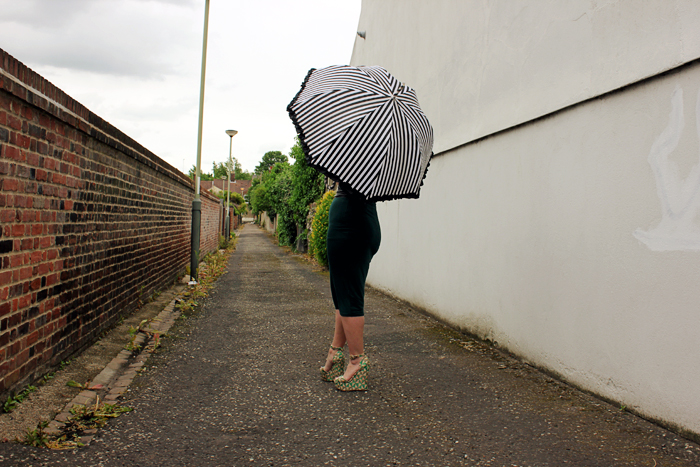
[(573, 240), (480, 66)]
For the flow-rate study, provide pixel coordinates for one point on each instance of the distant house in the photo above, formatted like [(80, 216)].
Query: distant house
[(240, 186), (216, 186)]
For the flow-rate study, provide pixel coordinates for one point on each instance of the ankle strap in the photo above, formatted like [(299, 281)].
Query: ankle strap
[(336, 348), (353, 357)]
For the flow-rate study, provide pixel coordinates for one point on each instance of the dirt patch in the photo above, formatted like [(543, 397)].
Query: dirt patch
[(53, 394)]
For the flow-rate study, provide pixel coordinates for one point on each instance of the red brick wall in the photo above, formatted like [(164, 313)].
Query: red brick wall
[(90, 223), (211, 226)]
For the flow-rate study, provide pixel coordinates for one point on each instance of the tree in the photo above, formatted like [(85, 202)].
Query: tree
[(219, 170), (269, 160), (279, 189), (257, 197), (285, 191), (242, 175), (236, 200), (317, 241), (307, 184), (203, 175)]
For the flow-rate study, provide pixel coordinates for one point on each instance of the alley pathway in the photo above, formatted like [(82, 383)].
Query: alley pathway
[(238, 385)]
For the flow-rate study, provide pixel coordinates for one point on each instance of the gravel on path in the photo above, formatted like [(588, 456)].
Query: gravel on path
[(238, 384)]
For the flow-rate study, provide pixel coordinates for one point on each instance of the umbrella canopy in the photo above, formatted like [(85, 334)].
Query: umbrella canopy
[(361, 126)]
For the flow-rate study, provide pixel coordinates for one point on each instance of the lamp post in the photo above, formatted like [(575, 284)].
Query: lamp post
[(197, 202), (229, 166)]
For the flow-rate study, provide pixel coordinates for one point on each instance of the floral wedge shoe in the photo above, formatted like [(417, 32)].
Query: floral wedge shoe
[(358, 381), (337, 368)]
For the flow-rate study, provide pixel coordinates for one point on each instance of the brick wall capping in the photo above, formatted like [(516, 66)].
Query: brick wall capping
[(25, 83)]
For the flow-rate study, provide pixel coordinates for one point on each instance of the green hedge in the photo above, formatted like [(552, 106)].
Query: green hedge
[(319, 229)]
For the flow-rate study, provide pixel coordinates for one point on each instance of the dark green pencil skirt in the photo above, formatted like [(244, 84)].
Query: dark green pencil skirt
[(353, 239)]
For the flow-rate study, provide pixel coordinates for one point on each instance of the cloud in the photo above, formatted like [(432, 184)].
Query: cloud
[(115, 37), (136, 63)]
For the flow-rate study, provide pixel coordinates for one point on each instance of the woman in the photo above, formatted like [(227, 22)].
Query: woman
[(353, 239)]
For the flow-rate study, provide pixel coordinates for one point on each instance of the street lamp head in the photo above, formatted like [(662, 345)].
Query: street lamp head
[(231, 133)]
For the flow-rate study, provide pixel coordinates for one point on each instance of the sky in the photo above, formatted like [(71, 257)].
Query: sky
[(137, 63)]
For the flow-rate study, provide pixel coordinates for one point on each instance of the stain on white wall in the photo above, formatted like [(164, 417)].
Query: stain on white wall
[(678, 229)]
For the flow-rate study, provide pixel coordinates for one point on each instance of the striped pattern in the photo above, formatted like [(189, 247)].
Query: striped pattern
[(361, 126)]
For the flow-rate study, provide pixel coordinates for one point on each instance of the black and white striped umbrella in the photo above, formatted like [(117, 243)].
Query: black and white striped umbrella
[(361, 126)]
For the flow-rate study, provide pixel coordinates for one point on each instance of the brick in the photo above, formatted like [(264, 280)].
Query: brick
[(33, 159), (26, 216), (51, 280), (10, 184), (11, 379), (22, 141), (32, 338), (17, 260), (5, 308), (13, 153), (14, 122), (20, 201), (8, 215), (25, 301)]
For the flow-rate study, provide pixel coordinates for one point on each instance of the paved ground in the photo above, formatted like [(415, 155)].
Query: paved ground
[(239, 386)]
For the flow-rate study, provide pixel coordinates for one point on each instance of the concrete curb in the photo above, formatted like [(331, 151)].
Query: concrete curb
[(114, 380)]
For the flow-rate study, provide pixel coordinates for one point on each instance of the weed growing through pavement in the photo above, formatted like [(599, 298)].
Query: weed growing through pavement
[(73, 384), (133, 332), (82, 418), (64, 363), (214, 266), (144, 327), (13, 401), (37, 437)]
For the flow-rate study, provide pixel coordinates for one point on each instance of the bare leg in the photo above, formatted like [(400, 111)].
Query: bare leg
[(353, 327), (338, 341), (339, 338)]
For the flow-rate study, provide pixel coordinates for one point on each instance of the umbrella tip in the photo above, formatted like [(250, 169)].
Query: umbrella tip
[(362, 34)]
